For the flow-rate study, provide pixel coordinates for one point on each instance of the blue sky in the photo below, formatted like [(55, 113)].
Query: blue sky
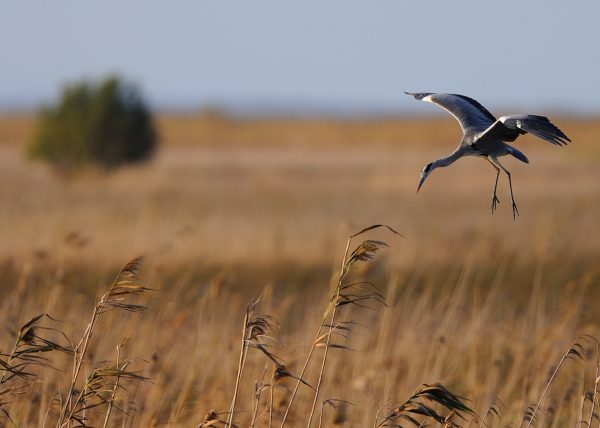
[(316, 54)]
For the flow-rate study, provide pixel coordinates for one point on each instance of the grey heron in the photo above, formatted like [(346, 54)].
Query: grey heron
[(487, 137)]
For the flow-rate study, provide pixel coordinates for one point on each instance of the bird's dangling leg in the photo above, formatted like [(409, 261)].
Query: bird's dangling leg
[(495, 162), (514, 204), (495, 199)]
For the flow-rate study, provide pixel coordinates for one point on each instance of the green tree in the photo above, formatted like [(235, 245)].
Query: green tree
[(107, 124)]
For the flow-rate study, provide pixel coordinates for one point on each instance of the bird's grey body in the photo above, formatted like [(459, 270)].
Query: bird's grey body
[(487, 137)]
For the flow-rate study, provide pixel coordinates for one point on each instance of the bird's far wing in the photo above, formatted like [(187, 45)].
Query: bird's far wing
[(472, 116), (508, 128)]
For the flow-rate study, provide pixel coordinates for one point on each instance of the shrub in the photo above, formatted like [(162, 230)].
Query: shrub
[(107, 124)]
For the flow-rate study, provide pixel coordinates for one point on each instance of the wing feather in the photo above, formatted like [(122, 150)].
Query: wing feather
[(540, 126), (471, 115)]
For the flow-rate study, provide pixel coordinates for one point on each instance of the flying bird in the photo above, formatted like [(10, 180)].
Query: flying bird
[(487, 137)]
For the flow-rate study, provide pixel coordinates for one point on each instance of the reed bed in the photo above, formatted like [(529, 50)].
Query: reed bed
[(451, 353)]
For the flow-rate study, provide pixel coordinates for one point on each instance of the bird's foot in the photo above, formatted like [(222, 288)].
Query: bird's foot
[(495, 201), (515, 210)]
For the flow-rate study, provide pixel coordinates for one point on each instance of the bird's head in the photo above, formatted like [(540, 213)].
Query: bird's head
[(425, 173)]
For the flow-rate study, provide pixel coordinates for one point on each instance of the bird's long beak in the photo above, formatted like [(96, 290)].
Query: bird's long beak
[(421, 183)]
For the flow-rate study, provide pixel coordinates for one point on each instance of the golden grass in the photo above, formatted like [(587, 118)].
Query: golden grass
[(232, 209), (460, 331)]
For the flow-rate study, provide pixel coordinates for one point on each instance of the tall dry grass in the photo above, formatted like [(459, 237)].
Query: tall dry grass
[(458, 332)]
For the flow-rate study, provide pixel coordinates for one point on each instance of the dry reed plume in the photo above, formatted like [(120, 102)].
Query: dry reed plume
[(82, 401)]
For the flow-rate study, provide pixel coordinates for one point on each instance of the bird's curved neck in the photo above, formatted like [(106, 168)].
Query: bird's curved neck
[(448, 160)]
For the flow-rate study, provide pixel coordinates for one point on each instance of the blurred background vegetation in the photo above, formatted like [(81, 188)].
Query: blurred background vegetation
[(106, 124)]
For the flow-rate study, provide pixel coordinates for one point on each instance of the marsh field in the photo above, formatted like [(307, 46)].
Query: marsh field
[(231, 210)]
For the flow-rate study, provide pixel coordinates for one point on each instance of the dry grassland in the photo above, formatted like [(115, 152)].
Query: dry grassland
[(232, 209)]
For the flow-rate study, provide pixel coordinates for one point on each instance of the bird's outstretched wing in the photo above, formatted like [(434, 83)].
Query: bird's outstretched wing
[(472, 116), (508, 128)]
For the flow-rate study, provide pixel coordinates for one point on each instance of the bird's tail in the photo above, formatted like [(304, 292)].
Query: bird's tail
[(519, 155)]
